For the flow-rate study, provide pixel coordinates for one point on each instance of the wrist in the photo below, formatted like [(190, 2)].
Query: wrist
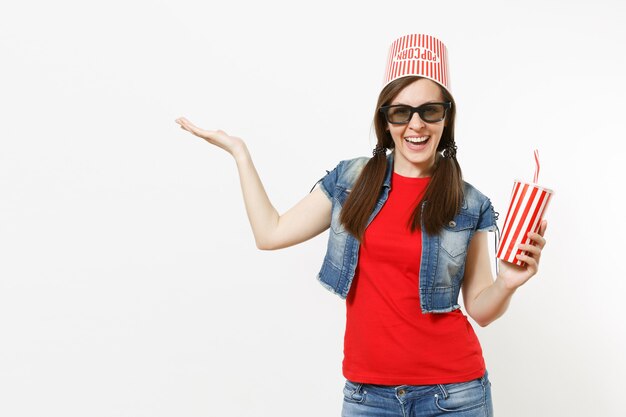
[(502, 286), (241, 153)]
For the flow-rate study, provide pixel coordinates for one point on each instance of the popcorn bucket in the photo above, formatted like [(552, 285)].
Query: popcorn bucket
[(418, 54)]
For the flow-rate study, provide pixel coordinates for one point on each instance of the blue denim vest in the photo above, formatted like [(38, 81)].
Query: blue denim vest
[(443, 255)]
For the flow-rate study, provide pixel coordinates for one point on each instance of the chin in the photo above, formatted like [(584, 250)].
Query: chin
[(420, 160)]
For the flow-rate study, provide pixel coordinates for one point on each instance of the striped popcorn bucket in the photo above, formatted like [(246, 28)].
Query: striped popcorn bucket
[(528, 204), (418, 54)]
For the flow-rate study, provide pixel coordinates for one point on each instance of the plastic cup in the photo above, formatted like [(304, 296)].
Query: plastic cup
[(528, 204)]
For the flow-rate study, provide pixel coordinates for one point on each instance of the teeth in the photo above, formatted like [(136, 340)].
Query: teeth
[(413, 139)]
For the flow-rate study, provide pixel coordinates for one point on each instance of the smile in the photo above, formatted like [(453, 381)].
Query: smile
[(416, 139)]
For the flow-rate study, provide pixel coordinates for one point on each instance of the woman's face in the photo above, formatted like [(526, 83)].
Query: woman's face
[(416, 159)]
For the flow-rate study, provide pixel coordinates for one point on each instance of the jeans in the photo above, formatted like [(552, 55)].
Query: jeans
[(464, 399)]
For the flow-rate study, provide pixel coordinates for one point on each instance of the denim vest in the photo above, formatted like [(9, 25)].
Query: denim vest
[(443, 255)]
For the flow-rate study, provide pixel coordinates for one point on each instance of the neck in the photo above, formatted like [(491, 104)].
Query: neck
[(413, 170)]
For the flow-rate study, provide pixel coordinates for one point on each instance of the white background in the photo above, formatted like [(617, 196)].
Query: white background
[(130, 284)]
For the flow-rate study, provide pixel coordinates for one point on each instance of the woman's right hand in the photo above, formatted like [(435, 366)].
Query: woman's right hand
[(308, 218), (231, 144)]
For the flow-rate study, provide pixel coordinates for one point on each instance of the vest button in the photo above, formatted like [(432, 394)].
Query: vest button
[(452, 223)]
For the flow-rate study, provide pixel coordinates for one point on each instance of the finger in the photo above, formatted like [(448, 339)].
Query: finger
[(184, 122), (198, 131), (184, 127), (543, 227), (535, 250), (181, 123), (537, 239), (192, 128), (531, 263)]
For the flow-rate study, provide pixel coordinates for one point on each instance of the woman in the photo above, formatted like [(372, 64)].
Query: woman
[(407, 235)]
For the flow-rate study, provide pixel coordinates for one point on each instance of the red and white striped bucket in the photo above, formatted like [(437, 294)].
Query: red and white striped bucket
[(418, 54), (526, 209)]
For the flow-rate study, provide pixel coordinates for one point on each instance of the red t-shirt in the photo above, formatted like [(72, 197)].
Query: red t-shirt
[(388, 341)]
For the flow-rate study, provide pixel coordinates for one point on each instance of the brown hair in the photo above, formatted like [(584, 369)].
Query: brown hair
[(444, 194)]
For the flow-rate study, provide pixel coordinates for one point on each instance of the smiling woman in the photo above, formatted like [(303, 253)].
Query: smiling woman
[(406, 237), (417, 144)]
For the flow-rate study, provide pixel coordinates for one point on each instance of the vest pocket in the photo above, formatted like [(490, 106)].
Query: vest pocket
[(455, 235)]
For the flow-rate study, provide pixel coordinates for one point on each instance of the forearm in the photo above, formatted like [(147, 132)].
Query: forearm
[(262, 215), (492, 302)]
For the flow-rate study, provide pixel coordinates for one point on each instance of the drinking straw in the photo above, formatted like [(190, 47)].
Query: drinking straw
[(536, 166)]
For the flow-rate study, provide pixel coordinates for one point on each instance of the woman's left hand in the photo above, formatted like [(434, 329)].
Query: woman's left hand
[(514, 276)]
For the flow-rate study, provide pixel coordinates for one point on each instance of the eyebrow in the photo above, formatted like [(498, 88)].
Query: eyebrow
[(426, 102)]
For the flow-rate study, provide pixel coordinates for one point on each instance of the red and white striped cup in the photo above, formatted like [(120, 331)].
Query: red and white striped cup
[(526, 209)]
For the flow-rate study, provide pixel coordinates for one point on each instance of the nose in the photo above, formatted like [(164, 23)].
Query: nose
[(416, 122)]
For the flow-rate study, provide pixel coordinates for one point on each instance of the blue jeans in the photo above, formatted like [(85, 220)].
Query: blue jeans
[(465, 399)]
